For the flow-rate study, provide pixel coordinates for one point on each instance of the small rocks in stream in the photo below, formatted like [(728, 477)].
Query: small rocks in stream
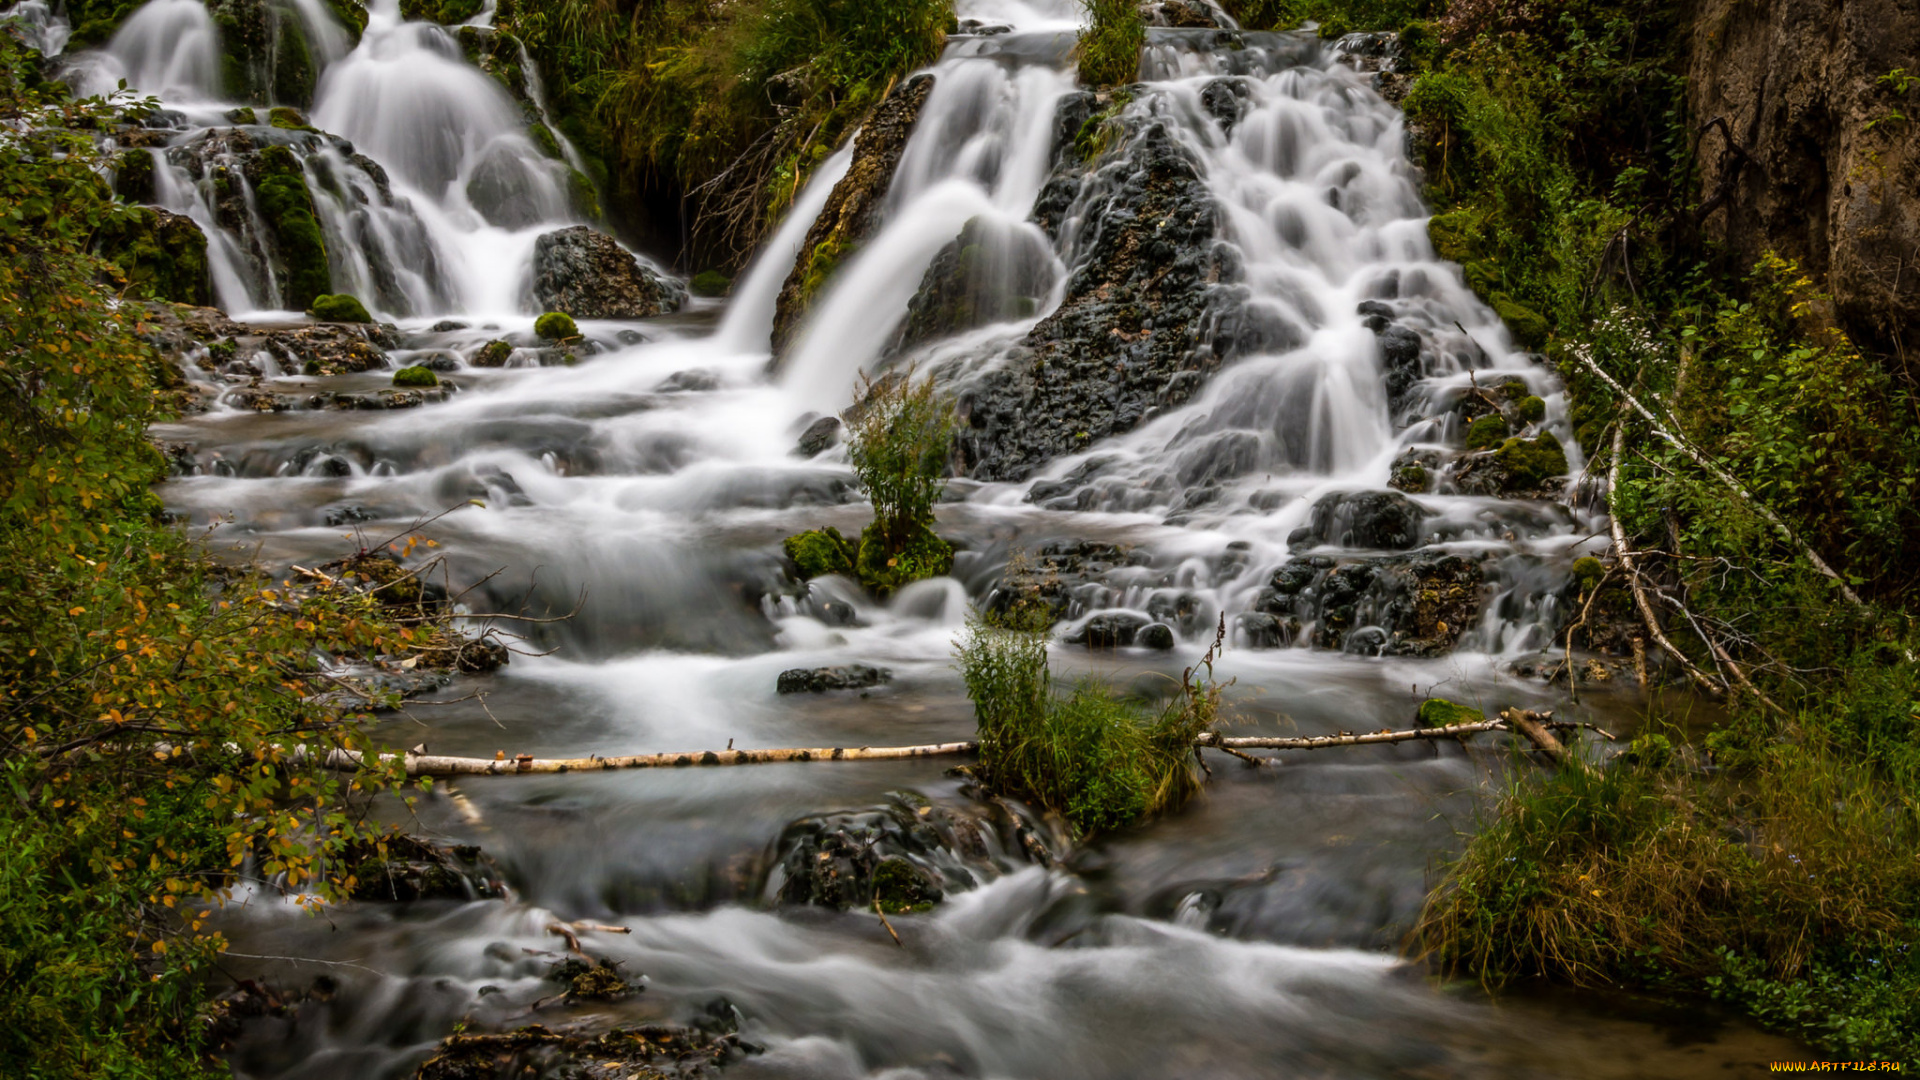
[(821, 680), (1111, 630), (405, 868), (646, 1052), (591, 982)]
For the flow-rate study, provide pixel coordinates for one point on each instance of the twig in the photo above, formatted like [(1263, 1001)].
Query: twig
[(1624, 552), (883, 918)]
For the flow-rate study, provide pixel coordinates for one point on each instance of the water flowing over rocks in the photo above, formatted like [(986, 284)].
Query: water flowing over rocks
[(588, 275), (853, 208), (1146, 318)]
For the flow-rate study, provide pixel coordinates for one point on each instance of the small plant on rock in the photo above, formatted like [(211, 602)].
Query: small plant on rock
[(898, 433)]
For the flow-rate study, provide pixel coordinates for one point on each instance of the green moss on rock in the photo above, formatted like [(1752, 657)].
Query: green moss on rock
[(415, 377), (493, 354), (341, 307), (1486, 432), (900, 887), (1528, 326), (556, 326), (1439, 712), (1530, 463), (820, 551), (288, 118), (280, 190), (710, 283), (1453, 235), (245, 114), (160, 256), (1531, 409)]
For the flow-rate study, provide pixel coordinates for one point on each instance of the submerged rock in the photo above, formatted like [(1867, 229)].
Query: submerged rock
[(588, 275), (852, 211), (1384, 520), (818, 438), (842, 677), (646, 1052)]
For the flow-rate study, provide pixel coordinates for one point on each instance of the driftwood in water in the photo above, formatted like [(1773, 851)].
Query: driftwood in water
[(502, 765)]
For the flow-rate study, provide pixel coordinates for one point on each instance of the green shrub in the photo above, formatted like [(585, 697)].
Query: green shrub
[(339, 307), (1486, 432), (556, 326), (1109, 49), (899, 434), (415, 376), (1101, 762)]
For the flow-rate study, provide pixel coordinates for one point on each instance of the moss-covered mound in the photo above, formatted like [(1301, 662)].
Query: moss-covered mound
[(821, 551), (300, 250), (415, 377), (160, 255), (556, 326), (1439, 712), (884, 566), (339, 307), (1530, 463)]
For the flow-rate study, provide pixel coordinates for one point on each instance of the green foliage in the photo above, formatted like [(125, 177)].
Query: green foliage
[(1109, 49), (821, 551), (556, 326), (710, 283), (1439, 712), (445, 12), (1487, 432), (1336, 17), (898, 436), (339, 307), (1099, 761), (734, 102), (150, 701), (415, 376), (281, 194), (158, 256)]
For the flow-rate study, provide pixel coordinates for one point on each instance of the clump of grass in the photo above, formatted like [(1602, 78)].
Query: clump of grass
[(1110, 45), (898, 436), (1792, 889), (1099, 760)]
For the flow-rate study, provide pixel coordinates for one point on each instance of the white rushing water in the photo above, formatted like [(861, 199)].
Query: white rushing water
[(656, 477)]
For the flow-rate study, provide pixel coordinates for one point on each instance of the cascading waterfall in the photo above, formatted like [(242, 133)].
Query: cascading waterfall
[(655, 472)]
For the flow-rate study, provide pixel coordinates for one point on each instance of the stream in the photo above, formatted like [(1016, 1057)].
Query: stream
[(646, 483)]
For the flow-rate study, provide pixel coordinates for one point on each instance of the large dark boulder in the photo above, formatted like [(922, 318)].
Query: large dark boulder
[(588, 275), (852, 212), (990, 273), (1149, 314), (161, 255), (1383, 520), (1404, 605)]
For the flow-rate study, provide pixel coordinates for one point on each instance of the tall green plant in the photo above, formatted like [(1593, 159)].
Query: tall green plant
[(899, 436), (1109, 48)]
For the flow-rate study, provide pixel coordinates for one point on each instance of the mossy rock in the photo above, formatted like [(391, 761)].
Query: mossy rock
[(339, 307), (710, 283), (243, 115), (1453, 235), (160, 256), (1532, 409), (1528, 326), (556, 326), (900, 887), (494, 353), (1588, 573), (581, 193), (288, 118), (415, 377), (1486, 432), (1439, 712), (543, 140), (444, 12), (280, 190), (1412, 478), (817, 552), (133, 175), (884, 568), (1530, 463)]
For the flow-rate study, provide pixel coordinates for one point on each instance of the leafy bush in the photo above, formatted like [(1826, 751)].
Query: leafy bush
[(1109, 49), (899, 434)]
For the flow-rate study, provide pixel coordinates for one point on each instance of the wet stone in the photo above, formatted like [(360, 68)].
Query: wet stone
[(818, 438), (842, 677)]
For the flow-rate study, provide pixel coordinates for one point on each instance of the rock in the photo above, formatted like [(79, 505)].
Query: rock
[(1155, 636), (641, 1052), (1147, 317), (482, 655), (588, 275), (413, 869), (133, 175), (821, 680), (1259, 630), (909, 853), (493, 354), (1414, 471), (852, 211), (990, 273), (1419, 604), (448, 326), (160, 254), (1487, 432), (693, 380), (1110, 630), (1385, 520), (299, 248), (1182, 14), (818, 438), (1811, 163), (329, 348), (1528, 326), (339, 307), (1520, 468)]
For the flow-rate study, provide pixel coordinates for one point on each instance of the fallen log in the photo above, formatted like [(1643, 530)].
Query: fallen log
[(526, 764)]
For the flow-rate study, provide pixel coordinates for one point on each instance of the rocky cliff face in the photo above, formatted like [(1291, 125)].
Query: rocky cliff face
[(1806, 148)]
